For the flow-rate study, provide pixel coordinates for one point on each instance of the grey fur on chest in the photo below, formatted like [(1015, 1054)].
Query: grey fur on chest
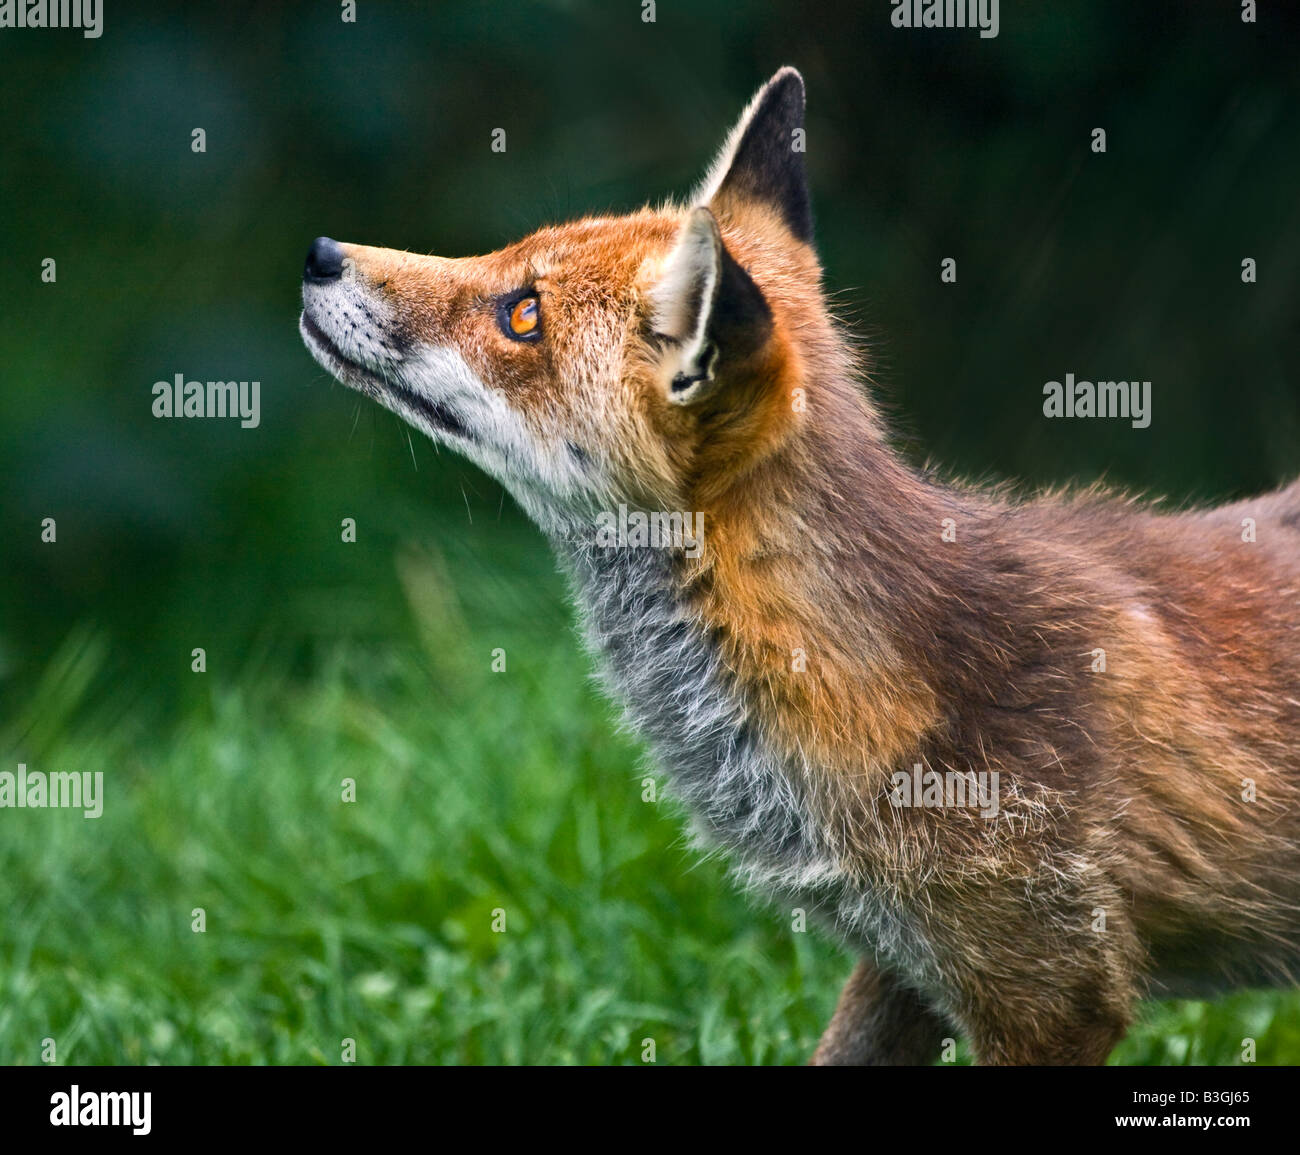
[(660, 665)]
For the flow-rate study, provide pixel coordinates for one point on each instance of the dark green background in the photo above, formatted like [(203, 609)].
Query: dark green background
[(921, 145)]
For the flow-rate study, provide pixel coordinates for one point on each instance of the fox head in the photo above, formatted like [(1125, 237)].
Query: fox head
[(653, 359)]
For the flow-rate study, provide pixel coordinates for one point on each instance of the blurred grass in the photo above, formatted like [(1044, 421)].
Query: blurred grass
[(372, 920)]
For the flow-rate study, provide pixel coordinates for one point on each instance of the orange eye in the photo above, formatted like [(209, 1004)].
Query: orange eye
[(524, 317)]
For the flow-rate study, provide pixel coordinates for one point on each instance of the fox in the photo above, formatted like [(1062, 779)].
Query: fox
[(837, 637)]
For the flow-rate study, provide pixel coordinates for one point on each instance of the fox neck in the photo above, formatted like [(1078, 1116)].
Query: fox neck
[(781, 675), (823, 574)]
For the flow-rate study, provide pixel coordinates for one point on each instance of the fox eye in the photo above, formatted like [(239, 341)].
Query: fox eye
[(521, 318)]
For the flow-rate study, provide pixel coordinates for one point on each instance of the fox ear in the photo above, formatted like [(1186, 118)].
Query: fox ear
[(712, 314), (763, 159)]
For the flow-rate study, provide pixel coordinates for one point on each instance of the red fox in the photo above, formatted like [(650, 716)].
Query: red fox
[(1031, 758)]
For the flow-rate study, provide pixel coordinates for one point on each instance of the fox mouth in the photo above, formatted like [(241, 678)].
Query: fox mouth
[(383, 389)]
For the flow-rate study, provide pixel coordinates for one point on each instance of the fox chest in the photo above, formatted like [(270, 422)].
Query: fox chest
[(662, 667)]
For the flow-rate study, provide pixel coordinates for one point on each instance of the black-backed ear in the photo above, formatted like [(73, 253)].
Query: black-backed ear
[(763, 159), (708, 308)]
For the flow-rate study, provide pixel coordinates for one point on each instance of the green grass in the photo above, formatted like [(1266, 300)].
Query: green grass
[(372, 920)]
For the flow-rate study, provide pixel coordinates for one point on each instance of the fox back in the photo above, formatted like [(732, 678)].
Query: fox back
[(1030, 758)]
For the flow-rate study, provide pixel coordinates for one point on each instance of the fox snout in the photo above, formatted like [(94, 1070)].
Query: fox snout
[(344, 322), (425, 336)]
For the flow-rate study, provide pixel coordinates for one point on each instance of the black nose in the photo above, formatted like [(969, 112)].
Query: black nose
[(324, 261)]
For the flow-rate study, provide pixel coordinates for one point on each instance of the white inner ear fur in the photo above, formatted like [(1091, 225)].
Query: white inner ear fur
[(708, 187), (683, 299)]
